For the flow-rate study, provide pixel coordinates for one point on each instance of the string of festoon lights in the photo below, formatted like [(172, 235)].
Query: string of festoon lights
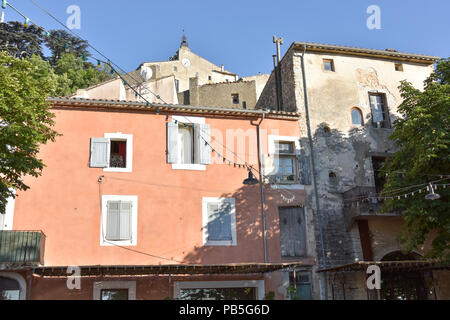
[(113, 71), (429, 187)]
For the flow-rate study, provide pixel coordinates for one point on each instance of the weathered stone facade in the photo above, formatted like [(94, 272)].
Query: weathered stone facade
[(344, 152)]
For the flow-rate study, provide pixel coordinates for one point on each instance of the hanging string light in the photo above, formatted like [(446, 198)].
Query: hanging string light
[(26, 22), (4, 3)]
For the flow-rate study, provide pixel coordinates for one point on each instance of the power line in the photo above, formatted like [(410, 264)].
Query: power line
[(91, 46)]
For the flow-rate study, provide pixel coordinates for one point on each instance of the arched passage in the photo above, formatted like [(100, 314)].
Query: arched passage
[(12, 286)]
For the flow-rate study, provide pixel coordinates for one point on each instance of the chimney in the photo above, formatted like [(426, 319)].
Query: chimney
[(222, 68)]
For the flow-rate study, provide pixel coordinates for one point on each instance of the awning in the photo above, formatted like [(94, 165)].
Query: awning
[(390, 266), (230, 269)]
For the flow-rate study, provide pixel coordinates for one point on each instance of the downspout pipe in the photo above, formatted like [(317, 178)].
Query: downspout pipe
[(261, 183), (30, 282), (314, 171)]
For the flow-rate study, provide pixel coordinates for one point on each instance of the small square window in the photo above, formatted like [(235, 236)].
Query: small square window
[(328, 65), (209, 78), (175, 69), (398, 67), (235, 98)]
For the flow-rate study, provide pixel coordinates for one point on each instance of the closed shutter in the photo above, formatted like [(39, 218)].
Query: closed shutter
[(113, 221), (304, 169), (202, 139), (292, 232), (118, 220), (172, 142), (125, 220), (219, 222), (99, 153)]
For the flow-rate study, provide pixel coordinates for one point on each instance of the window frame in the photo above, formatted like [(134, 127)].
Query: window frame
[(398, 67), (361, 115), (134, 221), (233, 96), (186, 166), (273, 140), (331, 61), (385, 111), (128, 138), (232, 203)]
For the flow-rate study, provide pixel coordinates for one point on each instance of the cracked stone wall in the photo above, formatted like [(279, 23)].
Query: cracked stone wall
[(338, 146)]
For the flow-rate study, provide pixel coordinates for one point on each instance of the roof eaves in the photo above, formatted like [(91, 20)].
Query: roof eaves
[(317, 47)]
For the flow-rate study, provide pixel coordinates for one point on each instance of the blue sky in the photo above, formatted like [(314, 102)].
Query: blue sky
[(239, 34)]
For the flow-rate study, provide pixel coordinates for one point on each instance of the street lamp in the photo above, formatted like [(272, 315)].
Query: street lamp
[(251, 180), (432, 195)]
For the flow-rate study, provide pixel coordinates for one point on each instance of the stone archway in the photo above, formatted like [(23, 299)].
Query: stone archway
[(12, 286)]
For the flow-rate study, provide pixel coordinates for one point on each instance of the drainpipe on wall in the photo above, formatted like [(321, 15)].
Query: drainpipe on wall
[(314, 176), (30, 280), (261, 183)]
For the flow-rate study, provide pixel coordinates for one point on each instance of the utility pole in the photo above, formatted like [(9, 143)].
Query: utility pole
[(278, 42)]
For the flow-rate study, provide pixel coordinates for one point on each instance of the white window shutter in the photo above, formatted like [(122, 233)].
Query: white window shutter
[(113, 221), (125, 220), (202, 139), (172, 142), (99, 153)]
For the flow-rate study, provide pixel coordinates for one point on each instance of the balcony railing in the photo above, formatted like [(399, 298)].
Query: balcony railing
[(362, 202), (22, 248)]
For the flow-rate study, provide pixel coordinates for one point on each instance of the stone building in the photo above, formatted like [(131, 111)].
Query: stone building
[(187, 79), (353, 97), (241, 94)]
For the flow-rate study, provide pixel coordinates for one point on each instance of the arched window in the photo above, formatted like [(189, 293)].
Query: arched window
[(357, 118)]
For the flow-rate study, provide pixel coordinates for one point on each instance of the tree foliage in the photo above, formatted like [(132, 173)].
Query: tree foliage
[(25, 120), (68, 54), (61, 42), (74, 73), (422, 135), (19, 41)]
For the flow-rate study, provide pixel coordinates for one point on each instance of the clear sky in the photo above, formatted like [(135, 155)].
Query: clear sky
[(238, 33)]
